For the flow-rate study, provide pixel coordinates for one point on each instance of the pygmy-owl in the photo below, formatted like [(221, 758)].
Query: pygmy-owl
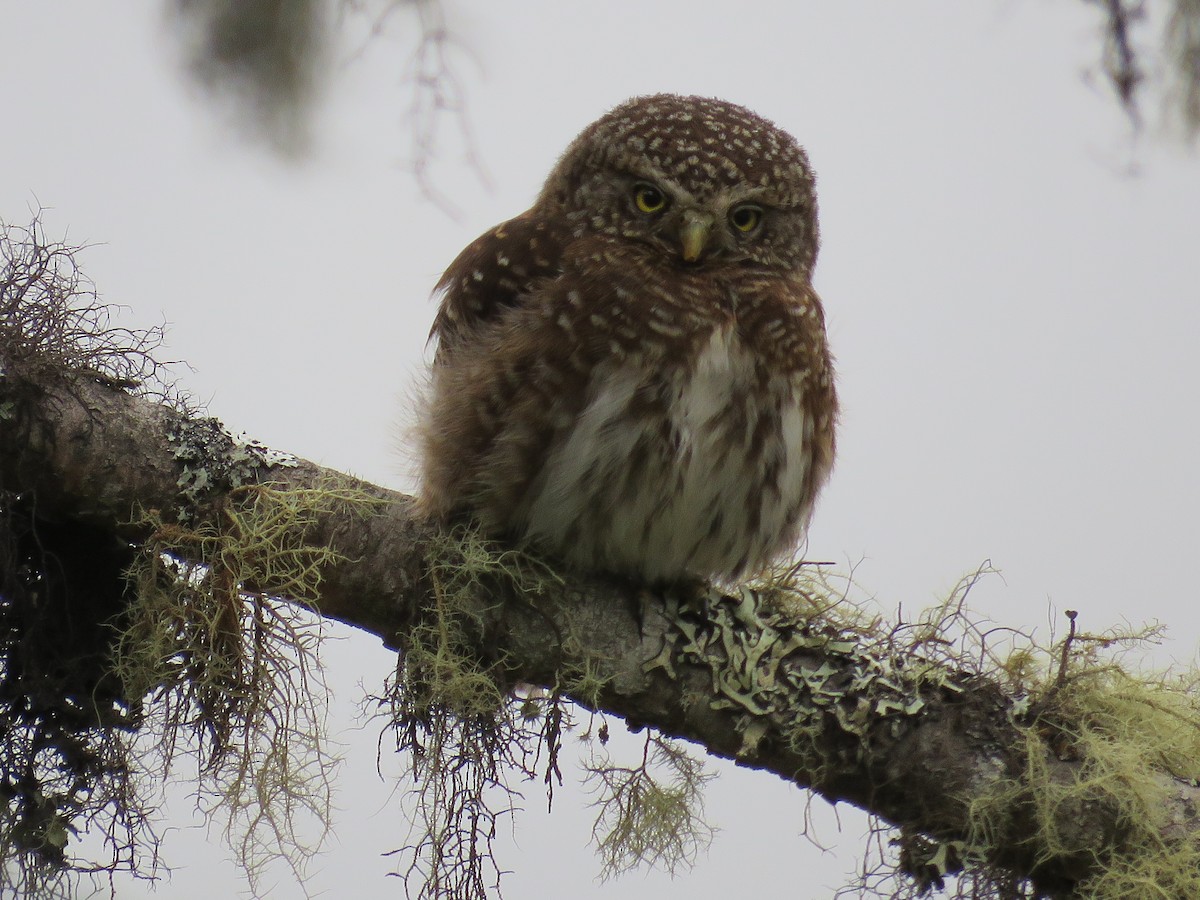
[(633, 375)]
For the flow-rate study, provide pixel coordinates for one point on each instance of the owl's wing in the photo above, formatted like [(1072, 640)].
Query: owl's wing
[(492, 274)]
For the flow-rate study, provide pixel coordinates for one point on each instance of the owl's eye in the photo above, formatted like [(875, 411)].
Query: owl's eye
[(745, 218), (648, 198)]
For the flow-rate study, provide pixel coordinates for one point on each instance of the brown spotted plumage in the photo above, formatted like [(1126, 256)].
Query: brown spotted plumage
[(633, 375)]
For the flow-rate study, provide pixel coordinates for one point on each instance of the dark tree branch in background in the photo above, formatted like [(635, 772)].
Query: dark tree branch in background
[(267, 58), (1120, 61), (1183, 60), (1130, 66)]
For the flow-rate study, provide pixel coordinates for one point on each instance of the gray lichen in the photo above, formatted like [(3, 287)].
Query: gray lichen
[(763, 659), (214, 461)]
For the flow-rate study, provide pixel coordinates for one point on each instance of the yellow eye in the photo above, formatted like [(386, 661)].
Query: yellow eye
[(745, 218), (648, 198)]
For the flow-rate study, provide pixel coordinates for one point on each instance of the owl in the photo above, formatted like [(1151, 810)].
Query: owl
[(632, 376)]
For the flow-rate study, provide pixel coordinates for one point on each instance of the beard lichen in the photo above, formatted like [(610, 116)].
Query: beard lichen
[(1094, 783), (650, 814), (1130, 741), (66, 758), (474, 737), (469, 732), (231, 671)]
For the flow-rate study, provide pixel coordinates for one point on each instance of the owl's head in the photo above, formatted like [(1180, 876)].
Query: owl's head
[(702, 180)]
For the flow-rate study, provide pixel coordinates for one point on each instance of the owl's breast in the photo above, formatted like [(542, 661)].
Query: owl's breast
[(695, 462)]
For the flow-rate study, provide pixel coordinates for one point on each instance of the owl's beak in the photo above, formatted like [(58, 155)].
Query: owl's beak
[(693, 233)]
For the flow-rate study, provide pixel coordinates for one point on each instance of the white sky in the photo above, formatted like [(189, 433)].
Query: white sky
[(1011, 285)]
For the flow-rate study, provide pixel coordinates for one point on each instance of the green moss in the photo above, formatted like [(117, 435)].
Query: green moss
[(1132, 740), (651, 814), (231, 671), (468, 731)]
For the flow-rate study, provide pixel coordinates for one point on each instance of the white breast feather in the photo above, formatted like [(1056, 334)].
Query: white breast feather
[(661, 525)]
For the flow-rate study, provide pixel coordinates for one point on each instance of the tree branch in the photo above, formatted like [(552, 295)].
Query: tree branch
[(910, 740)]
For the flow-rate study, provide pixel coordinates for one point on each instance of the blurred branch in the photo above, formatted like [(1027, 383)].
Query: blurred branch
[(268, 58), (268, 61), (1183, 57), (438, 94), (1129, 67), (1120, 62)]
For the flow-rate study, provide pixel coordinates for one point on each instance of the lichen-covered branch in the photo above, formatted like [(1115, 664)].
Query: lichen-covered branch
[(749, 673), (151, 568)]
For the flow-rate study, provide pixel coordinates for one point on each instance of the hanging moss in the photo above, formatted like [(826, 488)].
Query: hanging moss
[(1133, 738), (233, 674)]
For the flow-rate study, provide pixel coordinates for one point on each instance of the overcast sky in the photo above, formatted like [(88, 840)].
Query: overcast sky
[(1012, 285)]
